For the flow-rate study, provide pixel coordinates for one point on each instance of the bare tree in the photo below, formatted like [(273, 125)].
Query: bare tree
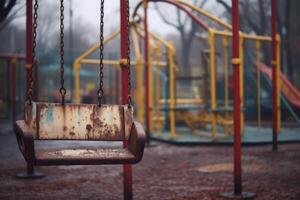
[(253, 18), (10, 10), (5, 8), (186, 28)]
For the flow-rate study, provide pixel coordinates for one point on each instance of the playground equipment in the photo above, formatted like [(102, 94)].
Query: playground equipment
[(220, 111), (85, 122), (176, 109), (286, 87), (238, 83)]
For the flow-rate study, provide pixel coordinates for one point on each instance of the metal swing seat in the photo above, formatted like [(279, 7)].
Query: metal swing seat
[(83, 122), (77, 122)]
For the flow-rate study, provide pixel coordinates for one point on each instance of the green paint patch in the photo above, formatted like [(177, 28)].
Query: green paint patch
[(49, 115)]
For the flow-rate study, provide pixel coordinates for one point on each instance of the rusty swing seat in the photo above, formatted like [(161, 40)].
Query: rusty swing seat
[(81, 122)]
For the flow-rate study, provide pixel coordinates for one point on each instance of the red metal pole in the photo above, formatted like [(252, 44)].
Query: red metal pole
[(13, 65), (146, 58), (127, 169), (28, 40), (274, 75), (236, 98)]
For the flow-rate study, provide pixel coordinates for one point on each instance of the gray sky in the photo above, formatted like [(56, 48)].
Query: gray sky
[(88, 12)]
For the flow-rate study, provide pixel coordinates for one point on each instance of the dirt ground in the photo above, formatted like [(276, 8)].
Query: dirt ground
[(166, 172)]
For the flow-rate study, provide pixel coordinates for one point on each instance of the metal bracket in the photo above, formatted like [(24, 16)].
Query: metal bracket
[(236, 61)]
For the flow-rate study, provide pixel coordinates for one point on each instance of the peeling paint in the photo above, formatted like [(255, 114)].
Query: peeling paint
[(86, 121)]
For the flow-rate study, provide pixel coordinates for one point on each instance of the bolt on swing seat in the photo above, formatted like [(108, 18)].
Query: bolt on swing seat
[(85, 122)]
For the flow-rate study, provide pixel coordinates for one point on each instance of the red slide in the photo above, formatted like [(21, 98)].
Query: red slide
[(286, 87)]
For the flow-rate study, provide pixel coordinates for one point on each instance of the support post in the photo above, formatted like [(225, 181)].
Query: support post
[(172, 94), (150, 89), (127, 169), (236, 98), (146, 54), (274, 77), (77, 66), (30, 174), (157, 94), (237, 193), (213, 97), (29, 41)]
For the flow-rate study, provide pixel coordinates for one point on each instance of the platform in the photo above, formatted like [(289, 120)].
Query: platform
[(252, 136)]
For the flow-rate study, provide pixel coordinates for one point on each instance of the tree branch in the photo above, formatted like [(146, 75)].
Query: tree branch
[(11, 17), (225, 5), (253, 25), (5, 10)]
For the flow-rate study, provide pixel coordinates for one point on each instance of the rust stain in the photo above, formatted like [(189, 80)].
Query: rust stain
[(128, 117), (72, 133), (88, 127), (116, 128)]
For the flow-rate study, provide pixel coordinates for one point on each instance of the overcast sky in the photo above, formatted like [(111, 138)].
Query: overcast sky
[(88, 13)]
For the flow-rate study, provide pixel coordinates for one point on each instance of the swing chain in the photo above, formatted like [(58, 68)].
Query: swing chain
[(128, 56), (33, 61), (62, 89), (101, 65)]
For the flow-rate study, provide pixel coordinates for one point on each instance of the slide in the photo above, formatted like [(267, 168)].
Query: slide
[(288, 90)]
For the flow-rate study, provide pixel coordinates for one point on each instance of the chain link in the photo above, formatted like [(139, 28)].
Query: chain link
[(101, 65), (128, 56), (62, 89), (33, 61)]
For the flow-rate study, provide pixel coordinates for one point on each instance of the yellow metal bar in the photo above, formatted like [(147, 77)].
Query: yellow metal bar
[(257, 37), (241, 49), (140, 91), (157, 92), (105, 62), (77, 82), (117, 62), (139, 78), (279, 82), (182, 101), (213, 97), (171, 55), (258, 79), (245, 35), (222, 33), (206, 14), (160, 64), (150, 74)]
